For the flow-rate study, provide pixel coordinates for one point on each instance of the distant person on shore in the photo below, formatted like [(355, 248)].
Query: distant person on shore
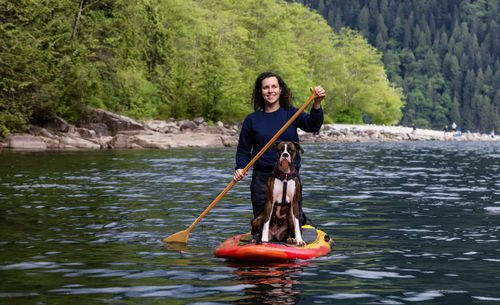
[(454, 127), (414, 128), (445, 129), (492, 133)]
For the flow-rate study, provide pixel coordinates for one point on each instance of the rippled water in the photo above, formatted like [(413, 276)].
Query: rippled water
[(413, 222)]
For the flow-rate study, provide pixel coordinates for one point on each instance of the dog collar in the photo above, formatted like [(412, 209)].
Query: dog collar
[(287, 176)]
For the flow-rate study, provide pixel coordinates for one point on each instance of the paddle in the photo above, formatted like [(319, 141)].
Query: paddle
[(182, 236)]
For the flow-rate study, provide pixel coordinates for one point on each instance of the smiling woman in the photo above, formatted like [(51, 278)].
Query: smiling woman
[(272, 102), (271, 93)]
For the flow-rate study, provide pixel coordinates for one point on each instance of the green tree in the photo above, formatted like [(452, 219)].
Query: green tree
[(461, 35), (364, 21), (183, 58), (363, 85), (33, 42)]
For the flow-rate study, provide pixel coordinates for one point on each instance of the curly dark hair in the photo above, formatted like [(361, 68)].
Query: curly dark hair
[(286, 97)]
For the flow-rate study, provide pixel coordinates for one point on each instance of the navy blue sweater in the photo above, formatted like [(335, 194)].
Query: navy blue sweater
[(260, 126)]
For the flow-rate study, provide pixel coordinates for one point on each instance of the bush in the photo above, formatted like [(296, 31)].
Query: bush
[(422, 124)]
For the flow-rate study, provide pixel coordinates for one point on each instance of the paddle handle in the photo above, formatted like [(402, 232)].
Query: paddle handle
[(254, 159), (228, 187)]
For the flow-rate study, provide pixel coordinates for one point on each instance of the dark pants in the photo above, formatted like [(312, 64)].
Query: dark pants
[(258, 186)]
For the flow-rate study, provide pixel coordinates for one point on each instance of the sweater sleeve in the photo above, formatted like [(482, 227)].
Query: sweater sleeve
[(310, 122), (244, 148)]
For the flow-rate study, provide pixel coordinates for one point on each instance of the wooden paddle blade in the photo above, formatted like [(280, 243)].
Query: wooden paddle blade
[(179, 237)]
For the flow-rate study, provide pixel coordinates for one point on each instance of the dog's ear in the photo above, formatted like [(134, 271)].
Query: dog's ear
[(297, 145), (275, 145)]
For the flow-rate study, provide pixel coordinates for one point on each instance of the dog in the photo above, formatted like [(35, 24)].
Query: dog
[(280, 219)]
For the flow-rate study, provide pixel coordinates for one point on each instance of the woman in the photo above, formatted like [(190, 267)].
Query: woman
[(272, 102)]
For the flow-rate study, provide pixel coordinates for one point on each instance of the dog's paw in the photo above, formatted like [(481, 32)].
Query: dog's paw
[(293, 241)]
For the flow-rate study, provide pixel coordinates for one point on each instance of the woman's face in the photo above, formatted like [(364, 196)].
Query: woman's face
[(271, 90)]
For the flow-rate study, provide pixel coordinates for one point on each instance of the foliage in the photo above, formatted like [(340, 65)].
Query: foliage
[(444, 54), (363, 87), (179, 58)]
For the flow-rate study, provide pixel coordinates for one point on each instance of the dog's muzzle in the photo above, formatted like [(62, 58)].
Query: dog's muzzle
[(285, 156)]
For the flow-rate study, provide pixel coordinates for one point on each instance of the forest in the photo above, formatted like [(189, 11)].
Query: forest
[(180, 59), (444, 54), (381, 61)]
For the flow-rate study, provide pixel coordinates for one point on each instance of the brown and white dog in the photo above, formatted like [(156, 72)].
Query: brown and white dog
[(280, 219)]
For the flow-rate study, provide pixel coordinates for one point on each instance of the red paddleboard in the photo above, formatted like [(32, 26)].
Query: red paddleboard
[(240, 248)]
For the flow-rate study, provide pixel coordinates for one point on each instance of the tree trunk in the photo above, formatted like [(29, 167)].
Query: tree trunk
[(77, 20)]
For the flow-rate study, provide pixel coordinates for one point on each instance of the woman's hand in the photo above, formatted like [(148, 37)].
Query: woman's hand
[(238, 174), (320, 92)]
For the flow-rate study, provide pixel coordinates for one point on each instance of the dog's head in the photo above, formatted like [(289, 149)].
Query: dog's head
[(285, 154)]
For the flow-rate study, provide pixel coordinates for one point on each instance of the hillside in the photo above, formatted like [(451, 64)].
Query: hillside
[(181, 59), (444, 54)]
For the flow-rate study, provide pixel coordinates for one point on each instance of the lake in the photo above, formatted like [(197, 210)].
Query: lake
[(413, 223)]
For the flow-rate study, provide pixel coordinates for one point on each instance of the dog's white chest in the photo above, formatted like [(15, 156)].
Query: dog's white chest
[(278, 190)]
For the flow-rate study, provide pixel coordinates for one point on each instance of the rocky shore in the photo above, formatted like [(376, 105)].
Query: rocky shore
[(102, 129)]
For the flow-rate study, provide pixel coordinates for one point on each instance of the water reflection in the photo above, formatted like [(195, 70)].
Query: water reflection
[(269, 284), (174, 247), (413, 223)]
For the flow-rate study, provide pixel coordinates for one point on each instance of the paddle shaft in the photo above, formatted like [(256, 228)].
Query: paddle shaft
[(254, 159)]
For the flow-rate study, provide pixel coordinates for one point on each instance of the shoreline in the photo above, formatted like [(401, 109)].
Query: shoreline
[(365, 133), (105, 130)]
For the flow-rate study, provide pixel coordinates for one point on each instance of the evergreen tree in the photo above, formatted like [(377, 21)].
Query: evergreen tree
[(461, 37)]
